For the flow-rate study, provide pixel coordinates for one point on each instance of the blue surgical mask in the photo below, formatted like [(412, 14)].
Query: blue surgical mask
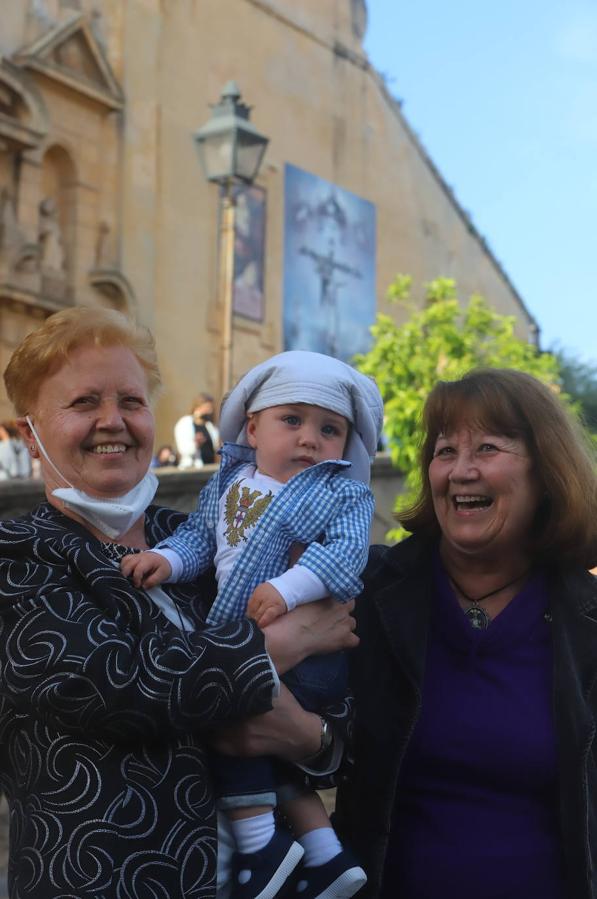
[(114, 516)]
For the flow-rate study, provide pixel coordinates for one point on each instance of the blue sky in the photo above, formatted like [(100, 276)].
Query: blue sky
[(504, 98)]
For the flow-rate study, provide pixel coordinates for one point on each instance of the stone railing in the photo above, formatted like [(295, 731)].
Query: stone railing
[(179, 490)]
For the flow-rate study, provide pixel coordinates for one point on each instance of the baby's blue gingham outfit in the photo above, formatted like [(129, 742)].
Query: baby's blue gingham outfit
[(319, 507)]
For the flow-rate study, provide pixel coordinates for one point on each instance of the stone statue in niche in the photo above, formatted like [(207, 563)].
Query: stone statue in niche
[(18, 258), (10, 234), (50, 236)]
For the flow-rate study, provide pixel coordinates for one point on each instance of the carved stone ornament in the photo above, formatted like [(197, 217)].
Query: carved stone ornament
[(70, 53), (104, 257), (19, 259), (358, 10), (50, 237), (11, 237), (23, 117)]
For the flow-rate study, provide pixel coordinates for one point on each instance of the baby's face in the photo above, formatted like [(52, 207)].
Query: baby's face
[(289, 438)]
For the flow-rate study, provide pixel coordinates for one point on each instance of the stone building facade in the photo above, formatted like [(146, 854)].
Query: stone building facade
[(103, 201)]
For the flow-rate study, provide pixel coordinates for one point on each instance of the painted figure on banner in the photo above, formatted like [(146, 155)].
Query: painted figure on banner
[(329, 267), (249, 253)]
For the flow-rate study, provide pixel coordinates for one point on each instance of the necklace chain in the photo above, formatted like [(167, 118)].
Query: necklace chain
[(491, 592), (478, 617)]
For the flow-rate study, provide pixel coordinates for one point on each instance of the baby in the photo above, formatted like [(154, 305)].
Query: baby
[(306, 427)]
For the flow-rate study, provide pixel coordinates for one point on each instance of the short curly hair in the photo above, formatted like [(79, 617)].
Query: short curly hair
[(47, 348), (516, 404)]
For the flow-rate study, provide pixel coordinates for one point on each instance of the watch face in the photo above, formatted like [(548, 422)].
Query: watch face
[(326, 735), (325, 741)]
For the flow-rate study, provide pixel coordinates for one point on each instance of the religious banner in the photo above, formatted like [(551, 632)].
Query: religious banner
[(329, 267), (249, 253)]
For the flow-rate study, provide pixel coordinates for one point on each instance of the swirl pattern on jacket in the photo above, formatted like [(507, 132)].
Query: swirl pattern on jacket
[(102, 707)]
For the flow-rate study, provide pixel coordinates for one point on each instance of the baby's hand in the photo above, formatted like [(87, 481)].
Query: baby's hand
[(146, 569), (265, 605)]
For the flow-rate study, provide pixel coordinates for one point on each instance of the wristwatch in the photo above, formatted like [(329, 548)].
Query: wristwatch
[(325, 741)]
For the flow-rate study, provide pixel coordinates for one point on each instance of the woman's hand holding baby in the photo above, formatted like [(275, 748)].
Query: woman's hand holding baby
[(265, 605), (146, 569), (313, 629), (287, 731)]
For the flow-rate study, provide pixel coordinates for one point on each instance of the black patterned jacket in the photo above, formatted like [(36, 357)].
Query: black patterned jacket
[(102, 707)]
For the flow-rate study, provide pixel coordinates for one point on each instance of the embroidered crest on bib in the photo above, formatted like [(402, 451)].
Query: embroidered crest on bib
[(244, 507)]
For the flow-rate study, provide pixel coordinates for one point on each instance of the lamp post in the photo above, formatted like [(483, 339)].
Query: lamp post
[(231, 150)]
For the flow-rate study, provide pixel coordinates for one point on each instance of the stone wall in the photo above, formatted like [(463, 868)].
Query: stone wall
[(132, 222), (179, 490)]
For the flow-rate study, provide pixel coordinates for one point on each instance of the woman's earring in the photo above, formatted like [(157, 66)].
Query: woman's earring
[(32, 448)]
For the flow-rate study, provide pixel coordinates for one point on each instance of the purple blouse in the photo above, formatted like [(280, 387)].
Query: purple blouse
[(476, 809)]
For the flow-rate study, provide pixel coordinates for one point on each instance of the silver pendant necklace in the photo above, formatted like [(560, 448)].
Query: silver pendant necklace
[(478, 617)]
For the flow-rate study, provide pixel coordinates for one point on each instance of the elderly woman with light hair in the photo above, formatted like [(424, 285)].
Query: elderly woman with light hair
[(108, 692)]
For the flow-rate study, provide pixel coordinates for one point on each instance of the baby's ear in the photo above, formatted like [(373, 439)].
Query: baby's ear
[(251, 428)]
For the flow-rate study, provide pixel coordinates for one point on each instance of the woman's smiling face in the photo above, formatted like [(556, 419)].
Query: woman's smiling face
[(94, 420), (485, 492)]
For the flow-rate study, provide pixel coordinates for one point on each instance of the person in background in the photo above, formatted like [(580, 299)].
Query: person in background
[(166, 457), (475, 771), (15, 461), (196, 436)]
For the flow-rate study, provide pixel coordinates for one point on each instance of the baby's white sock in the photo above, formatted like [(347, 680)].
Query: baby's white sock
[(320, 846), (252, 834)]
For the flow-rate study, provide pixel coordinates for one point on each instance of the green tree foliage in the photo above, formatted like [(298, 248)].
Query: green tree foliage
[(441, 341), (579, 380)]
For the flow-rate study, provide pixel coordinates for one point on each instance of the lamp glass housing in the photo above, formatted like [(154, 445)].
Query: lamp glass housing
[(249, 153), (230, 147)]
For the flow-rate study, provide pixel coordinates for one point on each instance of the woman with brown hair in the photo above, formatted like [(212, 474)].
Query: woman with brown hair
[(474, 769)]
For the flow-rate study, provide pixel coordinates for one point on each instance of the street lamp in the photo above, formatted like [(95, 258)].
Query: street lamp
[(231, 150)]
